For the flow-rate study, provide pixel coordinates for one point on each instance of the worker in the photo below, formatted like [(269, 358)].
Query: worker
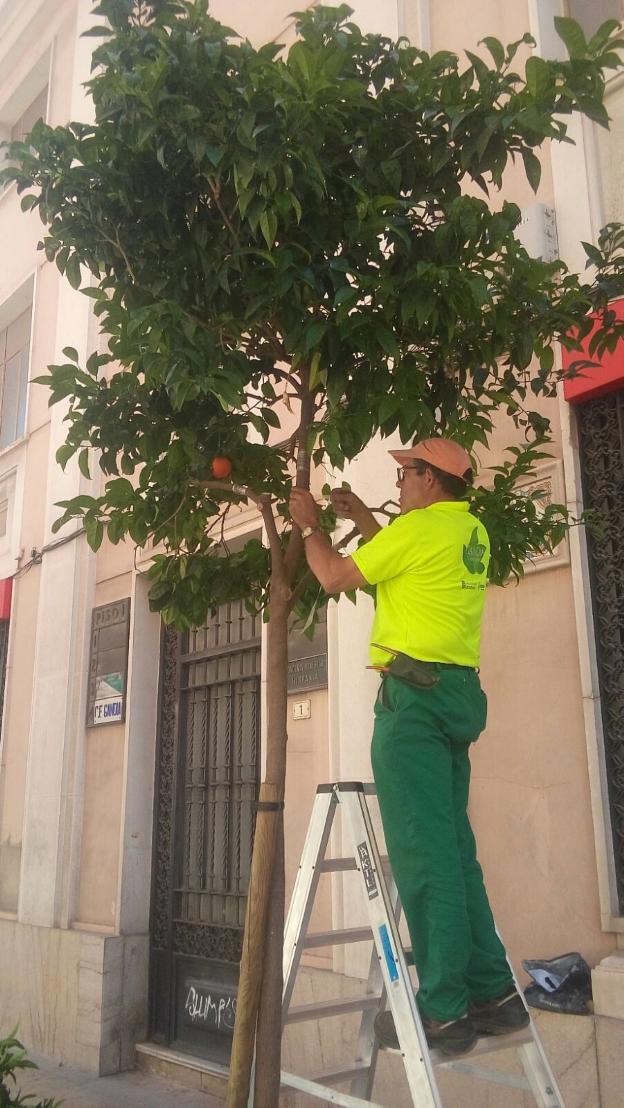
[(430, 568)]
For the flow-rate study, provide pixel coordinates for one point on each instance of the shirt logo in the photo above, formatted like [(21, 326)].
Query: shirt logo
[(473, 554)]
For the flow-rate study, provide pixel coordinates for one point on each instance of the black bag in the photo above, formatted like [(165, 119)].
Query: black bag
[(420, 675)]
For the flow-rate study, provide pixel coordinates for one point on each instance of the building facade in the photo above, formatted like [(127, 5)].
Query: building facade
[(130, 755)]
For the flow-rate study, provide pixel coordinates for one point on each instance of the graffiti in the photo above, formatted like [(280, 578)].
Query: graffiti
[(217, 1014)]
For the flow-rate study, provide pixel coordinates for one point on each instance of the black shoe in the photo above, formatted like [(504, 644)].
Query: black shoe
[(454, 1037), (500, 1016)]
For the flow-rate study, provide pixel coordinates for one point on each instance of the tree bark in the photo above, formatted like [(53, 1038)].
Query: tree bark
[(252, 961), (269, 1028), (266, 885)]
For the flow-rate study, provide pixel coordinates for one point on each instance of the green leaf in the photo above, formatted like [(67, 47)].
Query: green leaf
[(298, 58), (537, 73), (268, 226), (532, 168), (72, 272), (572, 36), (314, 333), (64, 453), (497, 50), (593, 109), (215, 154), (83, 463), (317, 375), (386, 340)]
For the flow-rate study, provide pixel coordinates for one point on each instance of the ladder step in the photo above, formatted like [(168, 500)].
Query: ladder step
[(342, 865), (488, 1044), (485, 1045), (333, 1076), (323, 1092), (339, 1006), (338, 938)]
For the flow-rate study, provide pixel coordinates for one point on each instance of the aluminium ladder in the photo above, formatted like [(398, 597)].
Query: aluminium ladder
[(389, 979)]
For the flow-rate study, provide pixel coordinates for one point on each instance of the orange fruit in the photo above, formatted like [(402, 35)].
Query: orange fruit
[(221, 467)]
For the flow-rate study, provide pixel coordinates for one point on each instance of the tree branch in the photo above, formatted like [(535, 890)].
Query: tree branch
[(275, 545), (294, 550), (226, 219)]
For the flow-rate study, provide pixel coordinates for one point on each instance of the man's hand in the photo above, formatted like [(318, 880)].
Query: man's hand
[(346, 504), (349, 506), (304, 509)]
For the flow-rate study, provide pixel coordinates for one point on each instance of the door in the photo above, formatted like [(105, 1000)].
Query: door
[(601, 437), (206, 788)]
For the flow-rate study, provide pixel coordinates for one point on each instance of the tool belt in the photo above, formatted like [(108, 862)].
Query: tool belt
[(421, 675)]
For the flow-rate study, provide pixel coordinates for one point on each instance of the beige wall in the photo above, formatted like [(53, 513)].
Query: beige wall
[(99, 857), (530, 801)]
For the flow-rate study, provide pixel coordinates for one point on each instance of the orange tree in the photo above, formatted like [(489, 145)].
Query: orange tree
[(273, 232)]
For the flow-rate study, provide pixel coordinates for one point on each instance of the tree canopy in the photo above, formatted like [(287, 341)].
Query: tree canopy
[(280, 233)]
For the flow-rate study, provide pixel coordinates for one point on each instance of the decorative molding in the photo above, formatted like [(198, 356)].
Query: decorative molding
[(549, 478)]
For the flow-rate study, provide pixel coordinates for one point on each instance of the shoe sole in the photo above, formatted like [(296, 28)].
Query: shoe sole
[(460, 1047)]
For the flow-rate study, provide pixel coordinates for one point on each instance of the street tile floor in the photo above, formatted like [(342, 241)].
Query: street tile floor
[(77, 1089)]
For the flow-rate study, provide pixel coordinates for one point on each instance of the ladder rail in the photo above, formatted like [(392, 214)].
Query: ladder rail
[(306, 883)]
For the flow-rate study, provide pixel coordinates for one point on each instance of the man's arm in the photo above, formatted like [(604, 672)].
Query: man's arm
[(334, 572)]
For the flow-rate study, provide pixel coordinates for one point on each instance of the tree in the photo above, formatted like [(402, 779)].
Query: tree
[(286, 236)]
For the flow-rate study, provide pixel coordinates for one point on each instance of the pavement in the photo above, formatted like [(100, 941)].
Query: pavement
[(78, 1089)]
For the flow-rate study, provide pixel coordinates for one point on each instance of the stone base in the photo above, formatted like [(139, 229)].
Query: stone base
[(78, 997), (173, 1065), (608, 986)]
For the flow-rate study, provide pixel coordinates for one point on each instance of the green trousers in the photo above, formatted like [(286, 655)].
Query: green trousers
[(420, 757)]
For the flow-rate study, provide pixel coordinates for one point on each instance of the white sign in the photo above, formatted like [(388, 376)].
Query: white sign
[(108, 709)]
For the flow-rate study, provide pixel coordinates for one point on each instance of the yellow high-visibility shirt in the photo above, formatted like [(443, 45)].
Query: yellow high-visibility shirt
[(430, 569)]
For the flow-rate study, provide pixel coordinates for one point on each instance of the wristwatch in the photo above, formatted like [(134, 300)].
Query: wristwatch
[(307, 531)]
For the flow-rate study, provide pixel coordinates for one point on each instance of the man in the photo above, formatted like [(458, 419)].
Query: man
[(430, 568)]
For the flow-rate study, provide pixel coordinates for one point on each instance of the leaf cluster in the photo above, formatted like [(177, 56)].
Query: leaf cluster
[(13, 1058), (267, 231)]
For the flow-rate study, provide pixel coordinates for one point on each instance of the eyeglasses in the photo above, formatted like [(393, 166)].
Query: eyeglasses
[(403, 470)]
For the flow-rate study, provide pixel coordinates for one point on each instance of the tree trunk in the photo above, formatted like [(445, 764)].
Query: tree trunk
[(269, 1029), (259, 1003), (266, 884)]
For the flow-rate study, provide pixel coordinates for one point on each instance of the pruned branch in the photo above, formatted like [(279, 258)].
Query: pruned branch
[(275, 544)]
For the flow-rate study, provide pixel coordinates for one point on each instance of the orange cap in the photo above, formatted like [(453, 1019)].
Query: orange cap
[(445, 454)]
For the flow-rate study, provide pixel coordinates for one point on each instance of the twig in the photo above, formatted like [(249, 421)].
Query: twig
[(226, 219), (125, 258), (300, 588)]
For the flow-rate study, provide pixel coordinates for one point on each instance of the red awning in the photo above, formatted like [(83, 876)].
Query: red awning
[(6, 591), (607, 377)]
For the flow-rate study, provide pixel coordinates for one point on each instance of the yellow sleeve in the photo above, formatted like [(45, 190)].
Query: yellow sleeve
[(391, 551)]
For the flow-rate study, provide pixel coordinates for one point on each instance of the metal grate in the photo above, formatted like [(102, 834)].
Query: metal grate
[(601, 429), (4, 651), (220, 729)]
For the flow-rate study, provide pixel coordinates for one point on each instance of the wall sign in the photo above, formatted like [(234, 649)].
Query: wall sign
[(307, 673), (108, 663), (307, 658)]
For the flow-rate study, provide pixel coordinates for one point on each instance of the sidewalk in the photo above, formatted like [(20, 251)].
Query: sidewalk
[(78, 1089)]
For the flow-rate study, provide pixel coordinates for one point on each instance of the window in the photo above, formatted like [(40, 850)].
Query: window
[(14, 362), (26, 121), (592, 13), (25, 105)]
